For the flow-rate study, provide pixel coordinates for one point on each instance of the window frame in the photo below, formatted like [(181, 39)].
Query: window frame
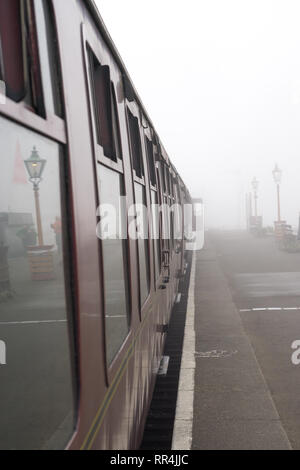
[(114, 164), (126, 267), (54, 128), (117, 165)]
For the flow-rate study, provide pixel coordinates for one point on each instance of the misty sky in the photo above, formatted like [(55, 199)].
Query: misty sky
[(221, 81)]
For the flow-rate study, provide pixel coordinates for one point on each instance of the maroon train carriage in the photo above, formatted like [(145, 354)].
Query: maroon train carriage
[(81, 319)]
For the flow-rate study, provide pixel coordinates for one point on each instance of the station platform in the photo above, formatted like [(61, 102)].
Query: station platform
[(229, 395)]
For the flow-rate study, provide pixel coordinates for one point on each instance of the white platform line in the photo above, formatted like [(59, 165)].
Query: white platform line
[(183, 426), (37, 322), (115, 316), (269, 309)]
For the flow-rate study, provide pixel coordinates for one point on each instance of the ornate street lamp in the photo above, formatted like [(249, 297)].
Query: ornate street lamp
[(255, 185), (277, 175), (35, 167)]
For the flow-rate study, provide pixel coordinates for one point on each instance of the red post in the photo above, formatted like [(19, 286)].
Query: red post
[(38, 217), (255, 201), (278, 202)]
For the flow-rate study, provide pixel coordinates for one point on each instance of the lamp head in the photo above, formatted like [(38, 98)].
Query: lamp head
[(277, 174), (255, 184), (35, 166)]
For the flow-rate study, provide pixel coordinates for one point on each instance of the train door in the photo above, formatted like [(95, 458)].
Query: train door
[(140, 231), (148, 253), (179, 228), (172, 244), (156, 238), (164, 277)]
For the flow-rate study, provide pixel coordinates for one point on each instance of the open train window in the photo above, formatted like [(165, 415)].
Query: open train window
[(11, 49), (106, 113), (136, 147), (20, 68), (28, 57), (167, 180), (151, 162), (48, 55)]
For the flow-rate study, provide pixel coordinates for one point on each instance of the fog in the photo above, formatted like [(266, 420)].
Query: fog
[(221, 81)]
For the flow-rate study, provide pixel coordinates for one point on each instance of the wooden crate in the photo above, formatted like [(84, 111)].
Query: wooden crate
[(41, 263), (5, 288)]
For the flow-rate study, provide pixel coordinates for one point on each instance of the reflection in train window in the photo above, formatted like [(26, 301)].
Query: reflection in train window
[(36, 393), (115, 261)]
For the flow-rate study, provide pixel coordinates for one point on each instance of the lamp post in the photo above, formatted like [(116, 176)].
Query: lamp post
[(35, 167), (255, 188), (277, 175)]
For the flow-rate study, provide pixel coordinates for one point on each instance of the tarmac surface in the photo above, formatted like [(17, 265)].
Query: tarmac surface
[(247, 315)]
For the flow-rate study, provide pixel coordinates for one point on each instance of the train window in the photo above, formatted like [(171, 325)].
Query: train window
[(37, 383), (167, 181), (163, 177), (178, 215), (171, 187), (11, 49), (151, 161), (136, 147), (156, 233), (166, 224), (172, 214), (48, 55), (19, 54), (105, 105), (143, 242), (115, 264), (115, 123)]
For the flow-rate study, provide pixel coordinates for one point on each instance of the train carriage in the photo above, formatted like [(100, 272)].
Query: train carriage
[(83, 316)]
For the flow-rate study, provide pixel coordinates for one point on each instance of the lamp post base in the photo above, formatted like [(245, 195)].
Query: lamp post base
[(279, 229)]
